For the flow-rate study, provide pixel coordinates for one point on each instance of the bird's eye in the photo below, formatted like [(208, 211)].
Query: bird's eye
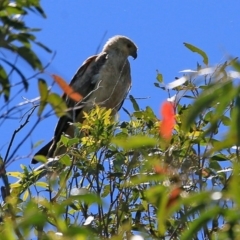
[(129, 45)]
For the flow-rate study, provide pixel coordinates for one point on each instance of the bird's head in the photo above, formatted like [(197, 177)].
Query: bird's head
[(121, 45)]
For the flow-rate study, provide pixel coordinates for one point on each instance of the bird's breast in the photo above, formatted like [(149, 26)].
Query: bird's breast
[(112, 84)]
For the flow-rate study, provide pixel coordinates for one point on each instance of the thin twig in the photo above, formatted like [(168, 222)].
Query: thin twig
[(63, 184), (14, 134), (101, 41)]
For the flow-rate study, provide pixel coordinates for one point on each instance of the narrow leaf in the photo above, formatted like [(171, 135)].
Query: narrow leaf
[(24, 80), (234, 128), (199, 222), (211, 95), (29, 56), (4, 82), (43, 46), (235, 64), (43, 90), (135, 142), (58, 104), (159, 77), (197, 50), (134, 103)]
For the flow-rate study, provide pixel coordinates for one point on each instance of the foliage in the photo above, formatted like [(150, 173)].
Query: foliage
[(120, 179), (20, 65), (17, 38)]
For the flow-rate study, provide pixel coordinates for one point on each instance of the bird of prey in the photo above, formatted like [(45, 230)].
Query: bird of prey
[(103, 80)]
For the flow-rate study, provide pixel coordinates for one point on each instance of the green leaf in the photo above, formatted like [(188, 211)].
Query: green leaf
[(126, 111), (4, 82), (235, 64), (234, 185), (42, 184), (73, 141), (208, 117), (43, 46), (199, 222), (33, 30), (43, 90), (215, 165), (106, 191), (232, 61), (135, 142), (38, 143), (58, 104), (134, 102), (40, 158), (40, 10), (213, 94), (86, 198), (226, 142), (197, 50), (12, 10), (159, 77), (68, 142), (65, 159), (25, 195), (22, 37), (29, 56), (14, 23), (138, 114), (32, 215), (219, 157), (235, 120), (226, 120), (158, 86), (64, 140), (149, 113), (24, 80)]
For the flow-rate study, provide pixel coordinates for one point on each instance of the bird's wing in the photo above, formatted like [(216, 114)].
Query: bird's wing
[(83, 82)]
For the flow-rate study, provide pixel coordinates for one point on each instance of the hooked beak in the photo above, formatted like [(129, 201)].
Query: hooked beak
[(134, 55)]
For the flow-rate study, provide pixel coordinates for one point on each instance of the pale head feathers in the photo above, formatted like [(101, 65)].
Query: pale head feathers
[(121, 45)]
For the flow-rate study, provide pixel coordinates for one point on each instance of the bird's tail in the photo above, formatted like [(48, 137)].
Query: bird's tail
[(44, 151)]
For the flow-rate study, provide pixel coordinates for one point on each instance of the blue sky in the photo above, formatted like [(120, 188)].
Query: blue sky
[(74, 30)]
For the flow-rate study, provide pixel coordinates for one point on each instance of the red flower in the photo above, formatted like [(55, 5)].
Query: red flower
[(168, 121)]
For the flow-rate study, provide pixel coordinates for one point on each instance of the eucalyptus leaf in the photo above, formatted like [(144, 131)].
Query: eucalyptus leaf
[(197, 50), (43, 90), (58, 104), (134, 103)]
